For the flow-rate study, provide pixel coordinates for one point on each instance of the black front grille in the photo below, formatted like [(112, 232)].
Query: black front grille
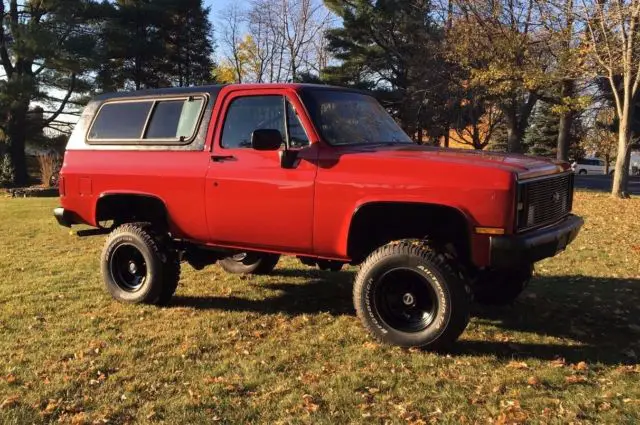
[(544, 201)]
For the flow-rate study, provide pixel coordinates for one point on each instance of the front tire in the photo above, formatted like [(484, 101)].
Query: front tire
[(407, 294), (250, 263), (582, 172), (501, 286), (139, 265)]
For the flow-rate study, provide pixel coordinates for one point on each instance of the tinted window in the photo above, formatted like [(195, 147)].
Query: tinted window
[(124, 120), (345, 118), (174, 119), (250, 113), (297, 136)]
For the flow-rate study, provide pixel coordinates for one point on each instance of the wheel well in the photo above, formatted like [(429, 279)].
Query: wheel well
[(124, 208), (377, 224)]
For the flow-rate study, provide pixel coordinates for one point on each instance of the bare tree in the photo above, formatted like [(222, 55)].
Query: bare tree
[(281, 39), (269, 43), (232, 21), (613, 44), (300, 24)]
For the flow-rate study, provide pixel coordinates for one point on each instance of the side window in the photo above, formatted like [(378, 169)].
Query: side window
[(174, 119), (147, 121), (120, 121), (297, 136), (246, 114)]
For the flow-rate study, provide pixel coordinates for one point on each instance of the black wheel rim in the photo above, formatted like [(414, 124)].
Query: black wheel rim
[(128, 268), (405, 300)]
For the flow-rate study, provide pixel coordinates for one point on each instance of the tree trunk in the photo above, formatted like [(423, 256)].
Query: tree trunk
[(514, 138), (17, 135), (621, 176), (564, 136), (566, 122), (475, 137)]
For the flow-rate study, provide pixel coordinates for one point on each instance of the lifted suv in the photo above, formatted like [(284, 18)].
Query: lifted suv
[(242, 174)]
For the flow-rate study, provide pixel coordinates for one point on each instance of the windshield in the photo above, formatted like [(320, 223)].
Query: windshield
[(348, 118)]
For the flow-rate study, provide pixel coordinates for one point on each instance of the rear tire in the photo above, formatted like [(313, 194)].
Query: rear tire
[(502, 286), (250, 263), (408, 294), (139, 265), (583, 172)]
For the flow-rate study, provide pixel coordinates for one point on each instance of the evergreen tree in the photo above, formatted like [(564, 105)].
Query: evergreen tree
[(393, 46), (132, 47), (541, 138), (47, 55), (187, 37), (156, 43)]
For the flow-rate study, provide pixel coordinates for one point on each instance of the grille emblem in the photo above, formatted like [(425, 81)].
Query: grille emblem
[(556, 197)]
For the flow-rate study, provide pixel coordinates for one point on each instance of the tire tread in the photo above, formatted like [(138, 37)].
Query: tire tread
[(428, 255)]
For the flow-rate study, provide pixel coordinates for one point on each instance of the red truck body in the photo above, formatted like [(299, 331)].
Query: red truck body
[(248, 203), (488, 215)]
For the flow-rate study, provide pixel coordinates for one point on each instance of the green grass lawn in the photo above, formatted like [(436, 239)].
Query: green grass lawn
[(288, 348)]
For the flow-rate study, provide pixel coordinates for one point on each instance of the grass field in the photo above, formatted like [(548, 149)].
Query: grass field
[(288, 348)]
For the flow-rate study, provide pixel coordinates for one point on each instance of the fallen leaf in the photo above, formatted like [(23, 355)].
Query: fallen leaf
[(580, 366), (499, 389), (52, 405), (309, 404), (575, 379), (517, 365), (11, 379), (533, 381), (604, 406), (10, 402), (79, 419), (215, 380), (557, 363)]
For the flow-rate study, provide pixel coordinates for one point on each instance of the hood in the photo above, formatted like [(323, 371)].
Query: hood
[(524, 166)]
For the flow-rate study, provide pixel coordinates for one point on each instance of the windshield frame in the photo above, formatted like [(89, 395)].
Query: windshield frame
[(310, 102)]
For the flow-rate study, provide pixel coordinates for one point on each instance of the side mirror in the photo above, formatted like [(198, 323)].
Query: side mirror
[(266, 140)]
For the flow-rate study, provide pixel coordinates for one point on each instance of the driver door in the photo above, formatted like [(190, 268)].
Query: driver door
[(252, 201)]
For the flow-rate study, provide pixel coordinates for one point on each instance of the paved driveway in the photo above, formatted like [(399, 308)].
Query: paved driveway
[(603, 183)]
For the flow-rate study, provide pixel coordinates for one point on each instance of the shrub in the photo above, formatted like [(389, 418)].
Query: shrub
[(6, 171), (49, 167)]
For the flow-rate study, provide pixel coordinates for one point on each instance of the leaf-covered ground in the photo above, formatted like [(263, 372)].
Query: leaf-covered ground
[(287, 348)]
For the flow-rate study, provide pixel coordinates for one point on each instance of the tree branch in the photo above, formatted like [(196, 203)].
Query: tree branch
[(4, 54), (64, 102)]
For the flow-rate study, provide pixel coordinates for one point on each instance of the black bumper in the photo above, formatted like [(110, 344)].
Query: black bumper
[(513, 250), (65, 218)]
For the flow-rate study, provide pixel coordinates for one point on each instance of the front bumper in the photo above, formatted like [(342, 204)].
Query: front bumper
[(529, 247), (64, 217)]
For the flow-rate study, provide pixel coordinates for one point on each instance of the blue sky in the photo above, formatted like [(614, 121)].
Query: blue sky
[(218, 5)]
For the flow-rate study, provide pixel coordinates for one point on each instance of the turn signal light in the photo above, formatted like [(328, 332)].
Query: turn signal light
[(489, 231)]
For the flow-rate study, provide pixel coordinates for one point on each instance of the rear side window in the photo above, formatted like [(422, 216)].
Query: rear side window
[(124, 120), (147, 122), (174, 119)]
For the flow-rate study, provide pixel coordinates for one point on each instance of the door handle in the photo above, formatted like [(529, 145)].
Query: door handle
[(223, 158)]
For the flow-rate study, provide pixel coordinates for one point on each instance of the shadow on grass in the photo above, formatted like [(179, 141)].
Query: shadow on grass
[(322, 292), (600, 317)]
